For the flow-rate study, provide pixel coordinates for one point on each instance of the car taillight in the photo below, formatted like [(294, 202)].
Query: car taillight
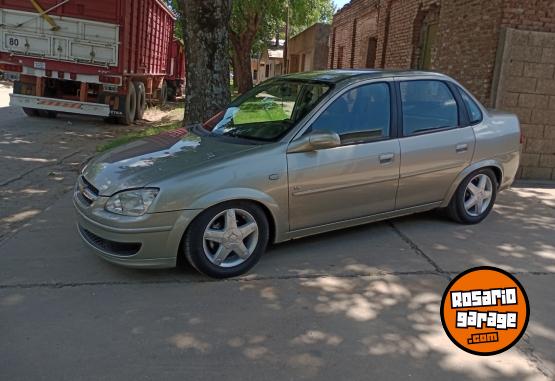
[(11, 67), (110, 79)]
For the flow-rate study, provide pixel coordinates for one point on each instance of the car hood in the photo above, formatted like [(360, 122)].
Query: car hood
[(148, 160)]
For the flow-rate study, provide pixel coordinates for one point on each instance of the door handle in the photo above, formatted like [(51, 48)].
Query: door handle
[(461, 148), (386, 158)]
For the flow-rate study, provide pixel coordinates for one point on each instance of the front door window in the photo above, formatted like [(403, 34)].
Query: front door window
[(360, 115)]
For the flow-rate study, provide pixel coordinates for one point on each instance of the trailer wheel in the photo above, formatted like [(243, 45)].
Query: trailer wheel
[(130, 105), (141, 100), (172, 92), (48, 114), (163, 94), (32, 112)]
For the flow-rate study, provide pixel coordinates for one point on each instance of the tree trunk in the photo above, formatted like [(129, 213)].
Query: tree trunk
[(242, 65), (206, 49), (242, 42)]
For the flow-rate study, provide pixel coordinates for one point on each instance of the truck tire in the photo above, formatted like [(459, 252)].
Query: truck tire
[(163, 97), (130, 105), (48, 114), (172, 92), (32, 112), (141, 100)]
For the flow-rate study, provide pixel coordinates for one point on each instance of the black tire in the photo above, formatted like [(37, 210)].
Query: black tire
[(48, 114), (172, 93), (163, 94), (456, 209), (32, 112), (130, 105), (141, 100), (193, 247)]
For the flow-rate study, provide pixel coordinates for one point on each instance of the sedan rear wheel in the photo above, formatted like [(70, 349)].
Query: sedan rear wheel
[(227, 240), (474, 197)]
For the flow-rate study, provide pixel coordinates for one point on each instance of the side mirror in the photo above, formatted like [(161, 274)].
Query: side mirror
[(314, 141)]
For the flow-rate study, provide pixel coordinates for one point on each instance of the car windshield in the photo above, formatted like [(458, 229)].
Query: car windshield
[(269, 111)]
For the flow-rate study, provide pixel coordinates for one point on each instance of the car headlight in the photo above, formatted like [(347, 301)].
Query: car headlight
[(133, 202)]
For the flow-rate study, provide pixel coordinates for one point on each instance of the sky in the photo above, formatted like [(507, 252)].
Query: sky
[(340, 3)]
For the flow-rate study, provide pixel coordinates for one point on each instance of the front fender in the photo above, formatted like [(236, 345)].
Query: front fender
[(465, 172), (279, 217)]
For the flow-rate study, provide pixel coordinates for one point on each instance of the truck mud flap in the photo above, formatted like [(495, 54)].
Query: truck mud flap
[(60, 105), (115, 102)]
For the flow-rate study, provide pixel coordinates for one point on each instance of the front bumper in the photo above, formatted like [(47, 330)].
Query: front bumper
[(61, 105), (149, 241)]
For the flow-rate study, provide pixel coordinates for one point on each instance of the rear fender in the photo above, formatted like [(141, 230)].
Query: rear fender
[(468, 170)]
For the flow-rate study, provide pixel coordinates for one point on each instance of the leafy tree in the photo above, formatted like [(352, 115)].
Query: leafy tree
[(254, 22), (175, 5)]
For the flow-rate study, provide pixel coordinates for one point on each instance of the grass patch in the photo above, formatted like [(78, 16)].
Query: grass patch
[(150, 131)]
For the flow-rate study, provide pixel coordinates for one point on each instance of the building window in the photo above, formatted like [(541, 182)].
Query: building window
[(425, 30), (267, 70), (294, 63), (429, 44), (255, 75), (340, 57), (371, 52)]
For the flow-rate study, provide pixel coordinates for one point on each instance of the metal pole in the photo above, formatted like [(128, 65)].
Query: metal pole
[(285, 58)]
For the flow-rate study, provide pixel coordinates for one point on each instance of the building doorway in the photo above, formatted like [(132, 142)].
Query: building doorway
[(429, 43), (371, 52)]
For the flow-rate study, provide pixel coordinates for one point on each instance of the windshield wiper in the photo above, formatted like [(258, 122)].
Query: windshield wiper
[(235, 134)]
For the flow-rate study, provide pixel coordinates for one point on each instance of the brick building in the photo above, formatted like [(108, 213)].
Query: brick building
[(501, 50)]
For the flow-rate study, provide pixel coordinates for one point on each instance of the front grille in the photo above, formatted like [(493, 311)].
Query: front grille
[(124, 249), (87, 193)]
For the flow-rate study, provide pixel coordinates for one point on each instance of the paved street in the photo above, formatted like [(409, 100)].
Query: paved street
[(357, 304)]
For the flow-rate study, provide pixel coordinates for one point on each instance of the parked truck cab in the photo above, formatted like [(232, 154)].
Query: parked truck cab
[(105, 58)]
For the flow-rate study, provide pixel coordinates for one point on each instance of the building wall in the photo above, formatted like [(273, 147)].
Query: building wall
[(533, 15), (469, 36), (466, 47), (313, 44), (352, 26), (526, 86)]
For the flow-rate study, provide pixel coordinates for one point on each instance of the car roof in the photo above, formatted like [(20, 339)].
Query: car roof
[(341, 75)]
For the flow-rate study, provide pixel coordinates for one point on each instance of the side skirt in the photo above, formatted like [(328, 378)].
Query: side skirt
[(357, 221)]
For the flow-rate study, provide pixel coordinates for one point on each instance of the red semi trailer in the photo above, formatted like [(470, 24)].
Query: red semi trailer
[(96, 57)]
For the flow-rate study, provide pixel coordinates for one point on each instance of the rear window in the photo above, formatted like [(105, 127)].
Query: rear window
[(474, 113)]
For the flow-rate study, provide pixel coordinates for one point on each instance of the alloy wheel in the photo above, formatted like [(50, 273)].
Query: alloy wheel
[(478, 195), (230, 238)]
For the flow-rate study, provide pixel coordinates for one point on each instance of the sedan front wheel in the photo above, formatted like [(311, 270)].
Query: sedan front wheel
[(227, 240)]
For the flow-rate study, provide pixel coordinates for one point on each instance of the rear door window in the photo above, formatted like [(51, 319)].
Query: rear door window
[(427, 105)]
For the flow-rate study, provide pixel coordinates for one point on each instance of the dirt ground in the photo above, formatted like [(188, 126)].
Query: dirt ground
[(40, 158)]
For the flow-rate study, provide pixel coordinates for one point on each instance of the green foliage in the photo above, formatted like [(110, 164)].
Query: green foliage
[(175, 5), (272, 15)]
